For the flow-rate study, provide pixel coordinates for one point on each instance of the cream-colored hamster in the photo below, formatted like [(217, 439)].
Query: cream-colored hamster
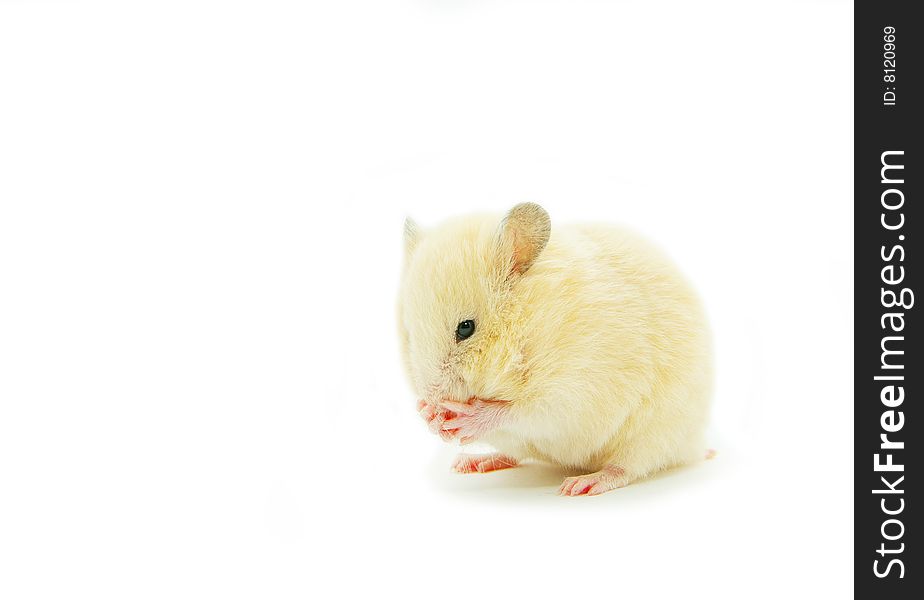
[(580, 345)]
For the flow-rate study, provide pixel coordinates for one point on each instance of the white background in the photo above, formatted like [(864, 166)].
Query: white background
[(200, 219)]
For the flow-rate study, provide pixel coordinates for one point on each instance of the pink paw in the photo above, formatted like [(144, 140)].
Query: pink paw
[(434, 416), (592, 484), (482, 463), (467, 421)]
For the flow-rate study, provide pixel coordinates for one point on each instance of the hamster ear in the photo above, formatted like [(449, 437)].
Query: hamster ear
[(412, 235), (523, 234)]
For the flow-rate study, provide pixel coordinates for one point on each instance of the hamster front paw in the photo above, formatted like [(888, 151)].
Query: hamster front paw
[(469, 420), (434, 416)]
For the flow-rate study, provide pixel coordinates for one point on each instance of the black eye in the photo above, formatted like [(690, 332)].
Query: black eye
[(465, 330)]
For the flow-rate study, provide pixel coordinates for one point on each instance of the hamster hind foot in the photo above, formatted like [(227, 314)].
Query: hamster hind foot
[(609, 478), (483, 463)]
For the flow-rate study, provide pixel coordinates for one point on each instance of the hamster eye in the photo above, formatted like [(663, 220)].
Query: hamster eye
[(465, 330)]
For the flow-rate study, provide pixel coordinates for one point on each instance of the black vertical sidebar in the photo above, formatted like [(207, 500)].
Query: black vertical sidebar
[(888, 370)]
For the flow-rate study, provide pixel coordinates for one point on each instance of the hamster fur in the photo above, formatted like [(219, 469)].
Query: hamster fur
[(590, 350)]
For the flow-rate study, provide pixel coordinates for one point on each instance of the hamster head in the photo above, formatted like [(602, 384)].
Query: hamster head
[(457, 293)]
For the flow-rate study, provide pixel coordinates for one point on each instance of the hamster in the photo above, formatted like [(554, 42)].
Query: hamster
[(579, 345)]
